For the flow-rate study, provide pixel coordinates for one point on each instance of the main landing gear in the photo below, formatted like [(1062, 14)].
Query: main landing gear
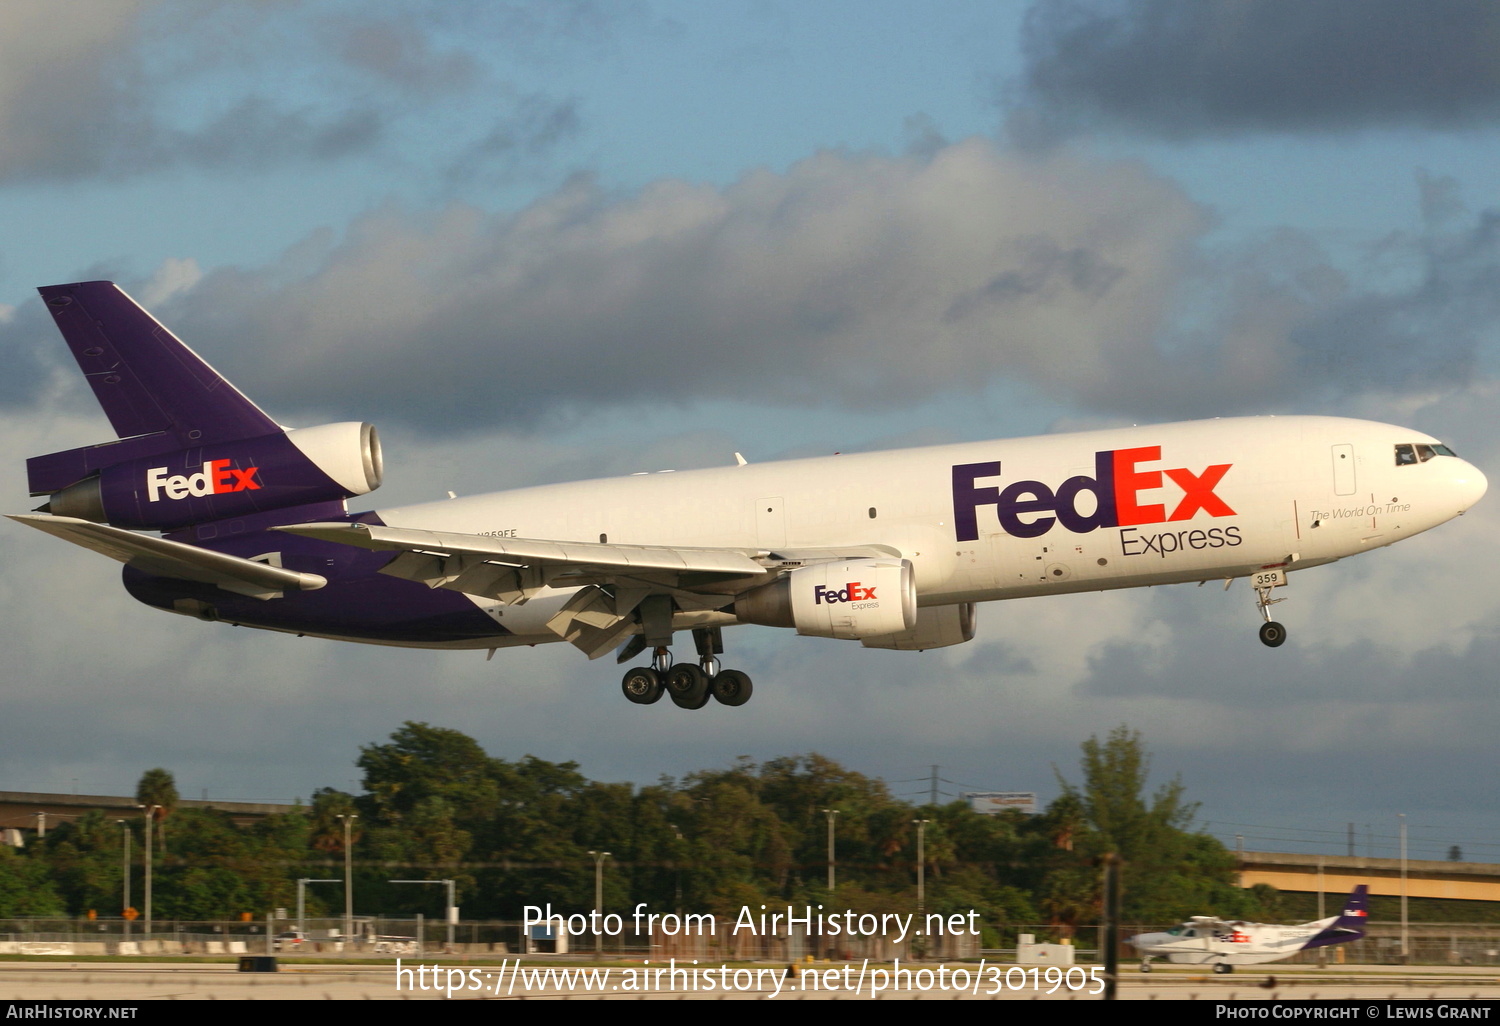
[(689, 686)]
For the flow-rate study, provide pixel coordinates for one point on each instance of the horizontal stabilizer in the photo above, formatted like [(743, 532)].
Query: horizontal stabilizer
[(165, 558)]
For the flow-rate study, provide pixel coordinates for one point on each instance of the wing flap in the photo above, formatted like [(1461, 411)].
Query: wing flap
[(527, 552), (174, 559)]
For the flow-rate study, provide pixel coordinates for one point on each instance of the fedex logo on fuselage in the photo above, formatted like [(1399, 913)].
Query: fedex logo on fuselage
[(853, 592), (215, 478), (1120, 476)]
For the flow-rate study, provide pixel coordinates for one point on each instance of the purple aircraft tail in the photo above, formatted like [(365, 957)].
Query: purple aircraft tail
[(192, 449), (158, 394), (144, 377), (1350, 925)]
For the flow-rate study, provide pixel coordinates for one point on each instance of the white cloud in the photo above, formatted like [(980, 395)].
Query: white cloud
[(172, 277), (850, 280)]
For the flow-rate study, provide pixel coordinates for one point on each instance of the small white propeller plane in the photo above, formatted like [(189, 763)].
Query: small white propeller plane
[(1224, 944)]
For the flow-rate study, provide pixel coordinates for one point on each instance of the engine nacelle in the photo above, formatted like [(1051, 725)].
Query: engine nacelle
[(936, 627), (850, 599), (228, 479)]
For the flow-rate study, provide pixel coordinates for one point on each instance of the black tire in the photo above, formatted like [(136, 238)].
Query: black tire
[(731, 687), (1272, 634), (1145, 967), (687, 685), (1224, 967), (642, 685)]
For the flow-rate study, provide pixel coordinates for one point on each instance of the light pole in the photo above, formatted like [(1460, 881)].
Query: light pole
[(921, 867), (831, 814), (599, 857), (150, 815), (302, 903), (125, 874), (1405, 952), (1322, 950), (677, 864), (450, 913), (348, 820)]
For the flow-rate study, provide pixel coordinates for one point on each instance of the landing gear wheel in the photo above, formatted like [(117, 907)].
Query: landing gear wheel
[(642, 685), (1145, 966), (1224, 967), (1272, 634), (731, 687), (687, 685)]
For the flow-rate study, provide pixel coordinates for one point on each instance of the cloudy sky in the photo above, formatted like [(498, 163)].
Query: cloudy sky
[(537, 242)]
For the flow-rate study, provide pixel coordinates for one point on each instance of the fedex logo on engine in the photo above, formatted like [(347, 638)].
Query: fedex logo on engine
[(1120, 476), (216, 478), (854, 592)]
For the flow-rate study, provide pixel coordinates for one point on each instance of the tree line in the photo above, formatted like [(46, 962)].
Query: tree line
[(511, 833)]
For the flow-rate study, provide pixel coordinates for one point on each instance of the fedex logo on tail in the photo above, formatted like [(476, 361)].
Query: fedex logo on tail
[(216, 478), (1120, 476)]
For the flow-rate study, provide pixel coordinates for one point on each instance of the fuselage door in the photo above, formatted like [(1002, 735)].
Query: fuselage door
[(1343, 470), (770, 522)]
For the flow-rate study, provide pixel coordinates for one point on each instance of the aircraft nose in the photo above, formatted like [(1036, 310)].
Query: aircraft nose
[(1470, 484)]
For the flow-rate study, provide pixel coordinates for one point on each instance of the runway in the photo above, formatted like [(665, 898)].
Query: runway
[(454, 981)]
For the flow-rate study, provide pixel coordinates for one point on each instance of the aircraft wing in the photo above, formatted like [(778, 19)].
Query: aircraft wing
[(514, 570), (174, 559), (518, 567)]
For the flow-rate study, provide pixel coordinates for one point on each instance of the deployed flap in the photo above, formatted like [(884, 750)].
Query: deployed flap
[(174, 559), (524, 552)]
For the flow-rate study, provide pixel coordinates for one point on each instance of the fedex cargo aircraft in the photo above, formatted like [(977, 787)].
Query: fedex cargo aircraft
[(220, 513)]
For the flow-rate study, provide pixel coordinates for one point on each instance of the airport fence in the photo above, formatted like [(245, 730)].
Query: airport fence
[(323, 935), (1425, 943)]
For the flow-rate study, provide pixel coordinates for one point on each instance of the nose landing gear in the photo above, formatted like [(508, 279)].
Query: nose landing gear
[(1272, 634)]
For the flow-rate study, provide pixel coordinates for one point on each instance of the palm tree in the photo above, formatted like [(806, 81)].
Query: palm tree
[(157, 791), (328, 809)]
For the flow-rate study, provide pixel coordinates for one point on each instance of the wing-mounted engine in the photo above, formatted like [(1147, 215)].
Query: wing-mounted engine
[(163, 491), (936, 627), (846, 598)]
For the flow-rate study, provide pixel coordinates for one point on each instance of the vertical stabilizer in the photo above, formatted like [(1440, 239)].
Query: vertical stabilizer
[(146, 380), (1349, 925)]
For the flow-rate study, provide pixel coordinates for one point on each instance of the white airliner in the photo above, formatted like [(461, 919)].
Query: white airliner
[(1224, 944), (889, 549)]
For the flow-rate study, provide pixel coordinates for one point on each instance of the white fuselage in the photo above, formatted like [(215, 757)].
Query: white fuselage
[(1195, 501), (1199, 943)]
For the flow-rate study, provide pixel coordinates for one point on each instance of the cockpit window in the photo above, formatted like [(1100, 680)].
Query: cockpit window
[(1410, 454)]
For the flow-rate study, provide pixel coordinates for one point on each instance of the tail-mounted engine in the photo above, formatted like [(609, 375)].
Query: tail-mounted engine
[(166, 491), (850, 599)]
